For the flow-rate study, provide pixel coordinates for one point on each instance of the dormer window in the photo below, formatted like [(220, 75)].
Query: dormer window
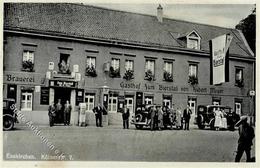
[(193, 40)]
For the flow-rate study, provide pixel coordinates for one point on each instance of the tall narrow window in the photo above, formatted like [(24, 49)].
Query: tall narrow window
[(167, 74), (112, 103), (149, 69), (28, 61), (26, 101), (91, 67), (115, 68), (129, 70), (239, 80), (90, 102), (64, 64), (238, 106), (193, 74)]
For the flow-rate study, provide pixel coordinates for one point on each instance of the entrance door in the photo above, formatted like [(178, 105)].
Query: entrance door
[(192, 105), (63, 94), (129, 103)]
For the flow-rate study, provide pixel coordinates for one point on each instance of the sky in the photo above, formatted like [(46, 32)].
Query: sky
[(223, 15)]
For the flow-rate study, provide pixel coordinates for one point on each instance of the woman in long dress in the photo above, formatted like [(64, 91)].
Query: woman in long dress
[(224, 120), (178, 118), (218, 119)]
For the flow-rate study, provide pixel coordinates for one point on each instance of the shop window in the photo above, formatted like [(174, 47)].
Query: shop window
[(238, 107), (64, 64), (167, 101), (149, 70), (115, 68), (192, 104), (90, 102), (91, 67), (167, 74), (193, 74), (193, 41), (239, 80), (148, 100), (26, 101), (28, 61), (112, 103), (129, 70)]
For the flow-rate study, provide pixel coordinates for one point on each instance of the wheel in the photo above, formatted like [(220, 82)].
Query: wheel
[(8, 123), (138, 118), (138, 126)]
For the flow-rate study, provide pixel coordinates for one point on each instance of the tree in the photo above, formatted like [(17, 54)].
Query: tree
[(247, 26)]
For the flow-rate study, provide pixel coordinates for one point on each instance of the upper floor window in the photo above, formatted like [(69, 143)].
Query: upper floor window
[(149, 69), (239, 80), (115, 68), (64, 64), (28, 60), (167, 74), (193, 74), (193, 40), (129, 70), (91, 67)]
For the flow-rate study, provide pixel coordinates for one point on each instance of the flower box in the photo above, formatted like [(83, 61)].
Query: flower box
[(114, 73), (129, 74), (167, 76), (28, 65), (149, 75), (193, 80), (91, 71)]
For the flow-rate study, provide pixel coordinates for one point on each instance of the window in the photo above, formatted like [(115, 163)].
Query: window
[(90, 102), (193, 70), (239, 81), (167, 101), (148, 100), (193, 40), (112, 103), (238, 107), (216, 101), (167, 74), (115, 68), (129, 65), (115, 63), (149, 70), (64, 64), (28, 60), (91, 67), (26, 101)]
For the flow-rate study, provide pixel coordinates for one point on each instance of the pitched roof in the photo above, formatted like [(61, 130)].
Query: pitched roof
[(95, 22)]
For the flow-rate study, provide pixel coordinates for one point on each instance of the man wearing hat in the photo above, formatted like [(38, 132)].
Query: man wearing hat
[(246, 135)]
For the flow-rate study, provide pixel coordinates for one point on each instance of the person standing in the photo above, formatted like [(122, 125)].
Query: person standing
[(98, 110), (52, 113), (178, 118), (125, 116), (67, 112), (186, 115), (153, 117), (246, 136), (59, 110), (160, 117), (218, 119)]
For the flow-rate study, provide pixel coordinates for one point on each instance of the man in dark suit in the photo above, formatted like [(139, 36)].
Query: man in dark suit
[(125, 116), (186, 115), (98, 110)]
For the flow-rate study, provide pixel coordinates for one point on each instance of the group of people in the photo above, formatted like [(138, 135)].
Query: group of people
[(220, 119), (59, 112)]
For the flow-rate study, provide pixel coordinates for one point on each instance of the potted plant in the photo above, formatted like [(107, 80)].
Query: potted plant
[(240, 82), (167, 76), (91, 71), (64, 68), (149, 75), (129, 74), (28, 65), (114, 73), (193, 80)]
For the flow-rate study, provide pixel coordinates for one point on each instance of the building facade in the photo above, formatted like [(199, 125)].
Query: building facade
[(94, 55)]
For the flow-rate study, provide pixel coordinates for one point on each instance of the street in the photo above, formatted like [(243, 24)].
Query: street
[(113, 143)]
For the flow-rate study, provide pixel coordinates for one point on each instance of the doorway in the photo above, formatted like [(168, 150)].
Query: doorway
[(129, 103), (63, 94), (192, 105)]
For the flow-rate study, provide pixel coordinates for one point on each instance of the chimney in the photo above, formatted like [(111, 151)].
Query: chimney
[(160, 13)]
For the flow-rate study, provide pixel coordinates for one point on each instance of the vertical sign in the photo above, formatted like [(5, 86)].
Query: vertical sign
[(44, 96), (219, 59), (79, 96)]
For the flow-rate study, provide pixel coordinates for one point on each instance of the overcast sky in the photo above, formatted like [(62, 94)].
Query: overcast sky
[(225, 15)]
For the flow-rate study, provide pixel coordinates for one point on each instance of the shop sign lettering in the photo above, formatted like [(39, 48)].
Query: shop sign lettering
[(63, 84), (13, 78), (130, 85)]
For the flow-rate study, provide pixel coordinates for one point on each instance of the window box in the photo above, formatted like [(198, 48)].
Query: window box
[(167, 76), (149, 75), (114, 73), (129, 74), (28, 66), (240, 83), (91, 71), (193, 80)]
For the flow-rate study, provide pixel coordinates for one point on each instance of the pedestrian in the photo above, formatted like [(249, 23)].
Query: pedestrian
[(246, 136), (186, 115), (125, 116), (232, 121), (224, 120), (98, 110), (160, 117), (171, 116), (59, 110), (67, 112), (52, 113), (153, 117), (178, 118), (218, 119)]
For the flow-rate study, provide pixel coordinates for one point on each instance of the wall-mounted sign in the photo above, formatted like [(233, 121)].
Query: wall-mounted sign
[(44, 96), (79, 96), (252, 93), (22, 77), (51, 66), (78, 77), (76, 68), (67, 84)]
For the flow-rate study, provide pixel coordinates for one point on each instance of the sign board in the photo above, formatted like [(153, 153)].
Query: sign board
[(44, 96), (219, 59), (76, 68), (79, 96), (252, 93), (37, 88), (51, 66), (65, 84)]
